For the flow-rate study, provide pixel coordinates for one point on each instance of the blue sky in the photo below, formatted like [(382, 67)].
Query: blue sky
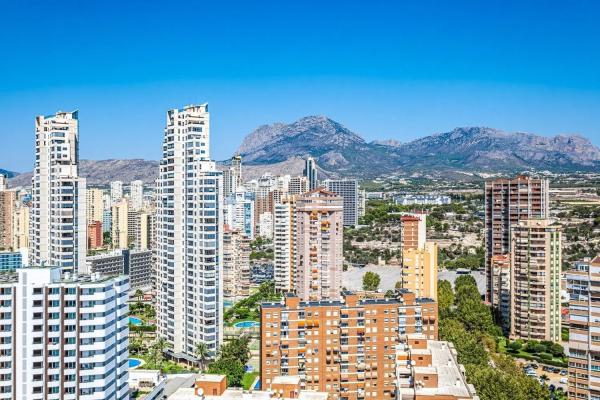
[(391, 69)]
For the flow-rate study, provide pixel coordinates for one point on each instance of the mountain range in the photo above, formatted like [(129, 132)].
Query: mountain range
[(341, 152), (281, 148)]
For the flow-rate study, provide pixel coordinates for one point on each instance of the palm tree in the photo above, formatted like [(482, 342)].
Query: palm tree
[(157, 351), (202, 354), (139, 294)]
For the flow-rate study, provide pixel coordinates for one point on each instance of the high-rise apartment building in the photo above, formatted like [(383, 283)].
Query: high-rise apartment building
[(319, 239), (69, 336), (284, 244), (232, 176), (120, 224), (362, 203), (344, 347), (8, 204), (298, 185), (95, 205), (420, 270), (116, 191), (20, 226), (58, 214), (348, 190), (310, 172), (136, 195), (95, 235), (508, 201), (583, 285), (535, 280), (265, 225), (413, 231), (189, 239), (238, 213), (3, 182), (236, 265)]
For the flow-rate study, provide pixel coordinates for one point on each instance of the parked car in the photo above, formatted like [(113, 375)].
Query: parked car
[(563, 372), (530, 373), (546, 368), (564, 381)]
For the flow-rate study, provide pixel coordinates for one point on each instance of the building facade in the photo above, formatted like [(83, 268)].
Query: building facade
[(420, 270), (8, 204), (10, 260), (69, 336), (535, 280), (236, 265), (583, 286), (136, 264), (508, 201), (319, 241), (348, 190), (238, 212), (344, 347), (58, 213), (116, 192), (120, 224), (310, 172), (284, 244), (95, 235), (413, 231), (95, 205), (189, 239), (136, 195)]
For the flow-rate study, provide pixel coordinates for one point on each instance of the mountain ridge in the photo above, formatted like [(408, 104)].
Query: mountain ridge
[(280, 148)]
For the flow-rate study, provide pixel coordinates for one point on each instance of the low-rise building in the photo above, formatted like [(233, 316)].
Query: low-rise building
[(429, 369), (135, 263)]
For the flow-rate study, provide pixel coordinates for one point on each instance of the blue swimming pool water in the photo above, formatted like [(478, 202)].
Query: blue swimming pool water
[(257, 386), (134, 362), (246, 324), (135, 321)]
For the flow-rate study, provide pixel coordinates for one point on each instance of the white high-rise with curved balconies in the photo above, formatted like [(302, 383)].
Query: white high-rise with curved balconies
[(58, 213), (189, 234)]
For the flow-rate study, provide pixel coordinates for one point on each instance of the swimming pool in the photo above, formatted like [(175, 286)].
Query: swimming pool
[(246, 324), (135, 321), (134, 362)]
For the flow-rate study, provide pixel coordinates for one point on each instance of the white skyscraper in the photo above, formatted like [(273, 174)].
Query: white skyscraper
[(116, 191), (136, 195), (189, 238), (58, 213), (67, 337)]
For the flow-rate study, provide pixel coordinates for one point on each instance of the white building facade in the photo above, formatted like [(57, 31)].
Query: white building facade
[(58, 227), (136, 195), (189, 238), (67, 338)]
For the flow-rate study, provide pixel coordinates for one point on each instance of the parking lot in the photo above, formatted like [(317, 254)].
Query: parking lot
[(553, 373)]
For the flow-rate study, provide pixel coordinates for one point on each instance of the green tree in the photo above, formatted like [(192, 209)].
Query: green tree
[(445, 296), (371, 281), (139, 294), (464, 280), (231, 367), (238, 348), (202, 354), (470, 349)]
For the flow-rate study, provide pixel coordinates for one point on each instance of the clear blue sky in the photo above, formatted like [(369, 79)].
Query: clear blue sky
[(384, 69)]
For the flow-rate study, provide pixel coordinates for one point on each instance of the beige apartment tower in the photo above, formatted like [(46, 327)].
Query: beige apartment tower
[(508, 201), (284, 244), (420, 270), (120, 224), (8, 202), (95, 205), (319, 240), (535, 280), (236, 265)]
